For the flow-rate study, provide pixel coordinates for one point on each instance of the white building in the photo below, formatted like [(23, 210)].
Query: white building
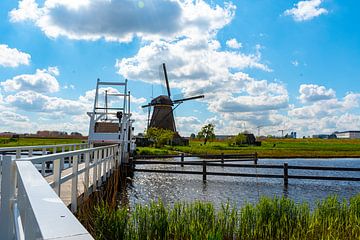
[(348, 134)]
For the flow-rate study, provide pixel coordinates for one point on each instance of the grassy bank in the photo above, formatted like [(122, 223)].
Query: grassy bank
[(277, 218), (279, 148), (15, 142)]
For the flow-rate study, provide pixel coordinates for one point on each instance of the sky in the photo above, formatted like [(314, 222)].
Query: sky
[(262, 66)]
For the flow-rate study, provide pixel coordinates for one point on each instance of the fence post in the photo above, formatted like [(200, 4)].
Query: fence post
[(182, 159), (18, 153), (204, 170), (74, 184), (43, 162), (95, 170), (57, 176), (286, 175), (62, 163), (99, 159), (30, 153), (105, 154), (8, 187), (222, 158), (256, 158), (87, 164)]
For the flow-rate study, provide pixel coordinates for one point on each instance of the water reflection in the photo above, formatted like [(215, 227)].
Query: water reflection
[(171, 188)]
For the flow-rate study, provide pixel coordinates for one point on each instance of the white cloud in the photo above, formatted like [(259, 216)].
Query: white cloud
[(11, 57), (42, 81), (313, 93), (233, 43), (36, 102), (13, 122), (121, 20), (27, 10), (306, 10)]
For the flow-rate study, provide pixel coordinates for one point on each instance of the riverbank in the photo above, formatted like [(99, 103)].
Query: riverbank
[(270, 148), (277, 218)]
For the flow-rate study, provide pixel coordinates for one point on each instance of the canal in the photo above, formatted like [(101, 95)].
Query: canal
[(144, 187)]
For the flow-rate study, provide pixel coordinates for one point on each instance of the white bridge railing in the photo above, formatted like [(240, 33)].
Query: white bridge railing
[(32, 205)]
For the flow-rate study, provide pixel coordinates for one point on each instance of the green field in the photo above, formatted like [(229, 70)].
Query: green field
[(274, 148), (15, 142)]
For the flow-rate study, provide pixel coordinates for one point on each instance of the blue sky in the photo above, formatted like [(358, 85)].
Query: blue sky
[(292, 65)]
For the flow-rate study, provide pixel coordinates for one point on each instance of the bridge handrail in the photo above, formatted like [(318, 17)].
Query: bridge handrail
[(21, 148), (55, 156), (37, 202)]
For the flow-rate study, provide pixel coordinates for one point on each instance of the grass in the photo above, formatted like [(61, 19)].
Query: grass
[(277, 218), (14, 142), (154, 151), (279, 148)]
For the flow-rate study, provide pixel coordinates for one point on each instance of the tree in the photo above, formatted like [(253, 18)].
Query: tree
[(160, 136), (238, 139), (207, 132), (192, 136)]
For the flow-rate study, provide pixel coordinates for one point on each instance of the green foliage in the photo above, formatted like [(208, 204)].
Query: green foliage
[(277, 218), (152, 151), (207, 133), (160, 136), (238, 140)]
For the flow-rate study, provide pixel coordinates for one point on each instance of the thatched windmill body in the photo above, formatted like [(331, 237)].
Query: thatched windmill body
[(163, 108)]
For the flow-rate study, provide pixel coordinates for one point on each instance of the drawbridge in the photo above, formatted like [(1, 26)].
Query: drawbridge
[(42, 186)]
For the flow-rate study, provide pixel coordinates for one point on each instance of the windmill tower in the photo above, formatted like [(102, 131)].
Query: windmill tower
[(163, 108)]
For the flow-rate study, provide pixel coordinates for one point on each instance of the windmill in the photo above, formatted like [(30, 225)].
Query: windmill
[(163, 108)]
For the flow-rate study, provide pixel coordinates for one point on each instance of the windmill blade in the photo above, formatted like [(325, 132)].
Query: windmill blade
[(187, 99), (147, 105), (166, 79)]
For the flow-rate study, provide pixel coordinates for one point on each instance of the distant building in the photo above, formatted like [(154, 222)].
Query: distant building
[(348, 134), (223, 137), (51, 134), (291, 135)]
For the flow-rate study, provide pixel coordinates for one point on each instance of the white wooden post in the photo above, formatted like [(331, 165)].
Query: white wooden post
[(105, 164), (62, 163), (74, 184), (30, 154), (8, 189), (95, 171), (18, 153), (57, 176), (43, 163), (87, 164), (100, 159)]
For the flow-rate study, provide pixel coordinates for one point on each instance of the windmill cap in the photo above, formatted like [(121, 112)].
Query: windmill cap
[(162, 100)]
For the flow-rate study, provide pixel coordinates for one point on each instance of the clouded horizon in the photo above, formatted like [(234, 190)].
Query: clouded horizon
[(291, 65)]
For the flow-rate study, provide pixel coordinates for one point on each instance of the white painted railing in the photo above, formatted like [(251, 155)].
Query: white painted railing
[(34, 209), (22, 151)]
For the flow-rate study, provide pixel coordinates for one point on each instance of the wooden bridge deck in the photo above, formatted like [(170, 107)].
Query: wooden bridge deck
[(65, 190)]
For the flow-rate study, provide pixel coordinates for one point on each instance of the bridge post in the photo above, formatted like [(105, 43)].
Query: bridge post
[(74, 184), (182, 159), (87, 164), (8, 189), (57, 175), (43, 163), (286, 175), (95, 170), (222, 158), (255, 158)]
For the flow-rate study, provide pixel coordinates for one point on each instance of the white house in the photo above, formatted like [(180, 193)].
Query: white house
[(348, 134)]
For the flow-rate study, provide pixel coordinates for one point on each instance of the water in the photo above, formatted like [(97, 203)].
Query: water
[(237, 190)]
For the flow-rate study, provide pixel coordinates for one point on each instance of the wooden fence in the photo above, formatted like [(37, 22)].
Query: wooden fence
[(216, 163)]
